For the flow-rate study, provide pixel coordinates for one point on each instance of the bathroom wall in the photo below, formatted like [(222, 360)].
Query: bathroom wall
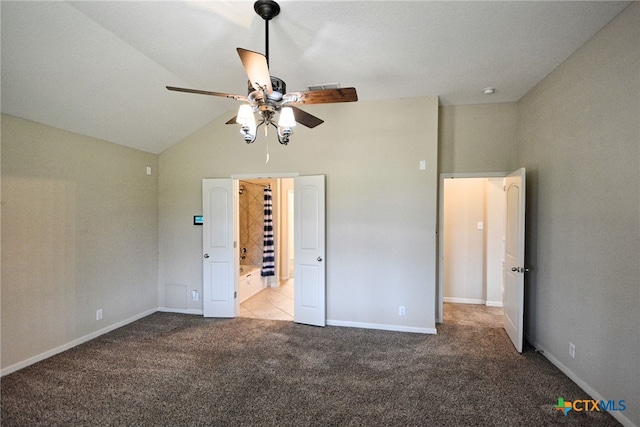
[(251, 222), (284, 224)]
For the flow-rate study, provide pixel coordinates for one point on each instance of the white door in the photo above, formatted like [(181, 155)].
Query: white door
[(309, 251), (514, 257), (220, 264)]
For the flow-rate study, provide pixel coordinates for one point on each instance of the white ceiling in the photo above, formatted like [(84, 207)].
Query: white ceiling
[(100, 68)]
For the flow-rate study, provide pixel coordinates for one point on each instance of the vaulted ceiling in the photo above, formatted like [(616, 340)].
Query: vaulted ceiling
[(100, 68)]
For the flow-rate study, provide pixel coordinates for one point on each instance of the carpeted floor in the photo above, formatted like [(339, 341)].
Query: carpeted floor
[(183, 370)]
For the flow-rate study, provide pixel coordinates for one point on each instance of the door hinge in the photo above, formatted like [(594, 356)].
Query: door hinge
[(235, 294)]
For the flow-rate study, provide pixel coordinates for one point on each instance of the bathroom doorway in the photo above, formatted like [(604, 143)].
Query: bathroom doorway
[(265, 297)]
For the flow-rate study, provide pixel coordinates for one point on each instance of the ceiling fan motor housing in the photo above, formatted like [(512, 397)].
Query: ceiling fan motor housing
[(278, 85)]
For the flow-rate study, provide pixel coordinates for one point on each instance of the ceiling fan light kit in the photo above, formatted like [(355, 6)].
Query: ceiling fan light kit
[(267, 95)]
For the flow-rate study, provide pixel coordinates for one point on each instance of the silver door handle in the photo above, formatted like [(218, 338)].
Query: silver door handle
[(206, 255), (516, 269), (319, 259)]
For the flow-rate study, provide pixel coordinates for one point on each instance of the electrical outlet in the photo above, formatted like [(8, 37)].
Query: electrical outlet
[(99, 314), (195, 295), (401, 311), (572, 350)]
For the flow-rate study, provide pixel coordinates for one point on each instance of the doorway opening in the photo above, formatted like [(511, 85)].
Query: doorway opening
[(471, 249), (220, 267), (265, 296)]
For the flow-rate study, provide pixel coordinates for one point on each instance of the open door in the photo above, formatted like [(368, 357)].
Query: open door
[(219, 265), (309, 251), (514, 257)]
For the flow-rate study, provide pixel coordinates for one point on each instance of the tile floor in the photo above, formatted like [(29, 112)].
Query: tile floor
[(270, 303)]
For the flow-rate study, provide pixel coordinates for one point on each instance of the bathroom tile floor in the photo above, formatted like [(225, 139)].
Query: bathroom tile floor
[(270, 303)]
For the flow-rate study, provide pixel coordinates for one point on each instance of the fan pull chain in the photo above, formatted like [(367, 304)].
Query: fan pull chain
[(267, 161)]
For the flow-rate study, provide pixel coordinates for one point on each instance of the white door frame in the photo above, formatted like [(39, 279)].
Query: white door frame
[(320, 309), (440, 272)]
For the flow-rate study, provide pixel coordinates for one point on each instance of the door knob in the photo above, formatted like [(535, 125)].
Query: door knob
[(206, 255), (319, 259), (517, 269)]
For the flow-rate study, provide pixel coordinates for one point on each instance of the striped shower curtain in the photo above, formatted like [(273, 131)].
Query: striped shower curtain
[(268, 260)]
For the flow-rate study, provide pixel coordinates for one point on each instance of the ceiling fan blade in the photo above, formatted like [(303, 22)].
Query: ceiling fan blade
[(232, 120), (326, 96), (305, 118), (255, 64), (205, 92)]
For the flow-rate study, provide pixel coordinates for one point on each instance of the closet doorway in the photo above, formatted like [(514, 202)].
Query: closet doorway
[(265, 297), (471, 249)]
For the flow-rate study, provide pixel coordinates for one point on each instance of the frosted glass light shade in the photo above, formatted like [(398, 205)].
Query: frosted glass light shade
[(286, 118), (245, 116)]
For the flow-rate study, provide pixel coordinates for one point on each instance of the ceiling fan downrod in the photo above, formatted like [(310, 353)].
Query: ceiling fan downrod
[(267, 10)]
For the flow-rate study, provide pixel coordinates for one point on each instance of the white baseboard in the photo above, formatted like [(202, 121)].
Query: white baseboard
[(47, 354), (181, 310), (583, 385), (493, 303), (464, 300), (382, 327)]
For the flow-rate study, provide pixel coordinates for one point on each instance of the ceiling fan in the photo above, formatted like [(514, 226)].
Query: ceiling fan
[(268, 96)]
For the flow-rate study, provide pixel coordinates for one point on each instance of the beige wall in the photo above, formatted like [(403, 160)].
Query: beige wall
[(494, 208), (463, 244), (79, 233), (381, 209), (580, 142), (472, 257), (478, 138)]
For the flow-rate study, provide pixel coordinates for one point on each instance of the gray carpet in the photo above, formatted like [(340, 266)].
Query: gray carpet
[(182, 370)]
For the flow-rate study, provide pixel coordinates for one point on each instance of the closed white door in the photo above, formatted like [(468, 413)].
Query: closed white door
[(514, 257), (309, 251), (220, 264)]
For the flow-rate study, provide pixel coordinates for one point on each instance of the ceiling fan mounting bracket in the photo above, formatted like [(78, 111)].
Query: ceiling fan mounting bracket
[(267, 9)]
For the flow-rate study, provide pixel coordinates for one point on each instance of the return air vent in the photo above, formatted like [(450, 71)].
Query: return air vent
[(325, 86)]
